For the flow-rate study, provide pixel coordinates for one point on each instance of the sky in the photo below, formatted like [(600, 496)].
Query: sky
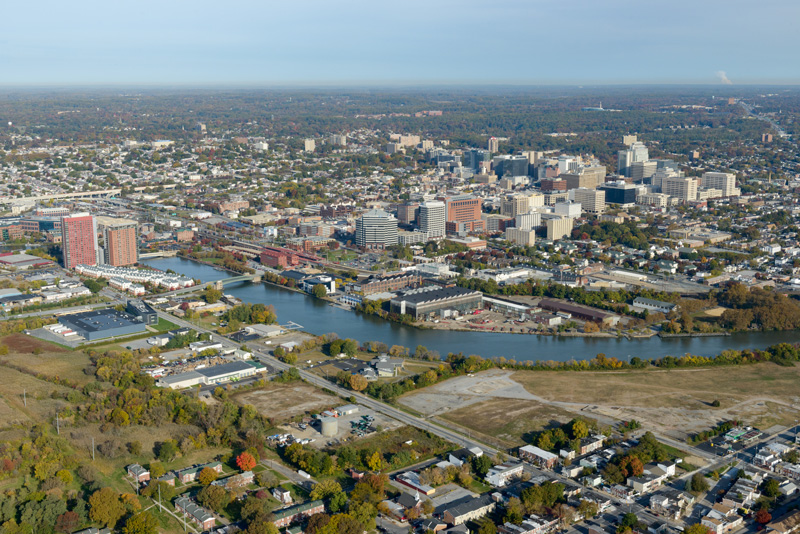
[(412, 42)]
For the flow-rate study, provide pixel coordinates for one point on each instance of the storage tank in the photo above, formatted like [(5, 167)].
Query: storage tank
[(330, 426)]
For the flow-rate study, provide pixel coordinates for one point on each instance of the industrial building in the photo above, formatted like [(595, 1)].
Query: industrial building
[(216, 374), (101, 324), (143, 311), (428, 302)]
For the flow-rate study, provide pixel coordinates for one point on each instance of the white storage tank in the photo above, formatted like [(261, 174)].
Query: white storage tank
[(330, 426)]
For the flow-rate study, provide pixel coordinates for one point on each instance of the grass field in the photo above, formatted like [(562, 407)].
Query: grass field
[(281, 402), (51, 360), (40, 405), (506, 422)]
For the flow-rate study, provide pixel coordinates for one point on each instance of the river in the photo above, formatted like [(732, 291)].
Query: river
[(319, 317)]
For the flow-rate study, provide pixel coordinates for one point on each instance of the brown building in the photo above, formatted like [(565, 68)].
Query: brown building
[(463, 208), (389, 283), (11, 231), (408, 213), (332, 212), (119, 235), (274, 257), (553, 184), (184, 235)]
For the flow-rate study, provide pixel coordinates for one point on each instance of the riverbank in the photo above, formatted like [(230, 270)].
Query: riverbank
[(321, 317), (693, 334)]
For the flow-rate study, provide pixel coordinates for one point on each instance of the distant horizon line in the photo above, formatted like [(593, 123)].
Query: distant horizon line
[(388, 85)]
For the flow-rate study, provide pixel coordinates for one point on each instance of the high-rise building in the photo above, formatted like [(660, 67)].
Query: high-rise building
[(432, 218), (641, 170), (463, 214), (119, 240), (635, 153), (568, 209), (79, 240), (376, 229), (682, 188), (510, 165), (511, 207), (407, 213), (553, 184), (309, 145), (620, 192), (520, 236), (591, 200), (528, 221), (558, 226), (494, 145), (473, 158), (588, 177), (339, 140), (724, 181)]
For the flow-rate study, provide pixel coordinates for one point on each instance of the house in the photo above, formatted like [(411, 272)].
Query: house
[(743, 494), (500, 475), (411, 479), (652, 477), (196, 513), (532, 525), (189, 474), (538, 456), (787, 524), (670, 503), (462, 456), (282, 495), (236, 481), (623, 492), (721, 519), (468, 509), (592, 443), (169, 478), (433, 525), (138, 473), (287, 516)]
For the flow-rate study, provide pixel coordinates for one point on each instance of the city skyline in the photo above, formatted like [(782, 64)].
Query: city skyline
[(362, 43)]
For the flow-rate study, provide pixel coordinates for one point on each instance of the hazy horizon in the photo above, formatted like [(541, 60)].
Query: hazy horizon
[(315, 43)]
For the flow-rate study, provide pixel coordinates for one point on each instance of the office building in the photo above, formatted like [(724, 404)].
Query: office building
[(496, 223), (620, 192), (339, 140), (433, 218), (682, 188), (475, 157), (493, 145), (79, 240), (407, 213), (463, 214), (510, 166), (655, 200), (527, 221), (119, 241), (309, 145), (553, 184), (568, 209), (588, 177), (637, 152), (567, 164), (376, 229), (520, 236), (558, 226), (724, 181), (628, 140), (642, 170), (516, 204), (592, 200)]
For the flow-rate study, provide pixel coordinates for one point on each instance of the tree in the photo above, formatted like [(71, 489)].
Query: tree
[(771, 488), (629, 522), (105, 507), (481, 464), (156, 469), (487, 526), (207, 476), (376, 462), (141, 523), (320, 291), (357, 382), (350, 347), (698, 483), (211, 295), (267, 479), (245, 461), (213, 497), (168, 450), (697, 528), (588, 509), (579, 429), (763, 516), (514, 511), (325, 489), (67, 522)]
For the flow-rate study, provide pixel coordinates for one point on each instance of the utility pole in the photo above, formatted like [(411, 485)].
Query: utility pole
[(58, 426), (25, 397), (93, 449)]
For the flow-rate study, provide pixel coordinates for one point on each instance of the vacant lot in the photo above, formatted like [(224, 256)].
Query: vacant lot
[(281, 402), (674, 402), (506, 422), (15, 387), (49, 359)]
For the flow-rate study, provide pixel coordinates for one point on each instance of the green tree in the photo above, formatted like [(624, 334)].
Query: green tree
[(325, 489), (141, 523), (105, 507), (697, 528), (698, 483), (771, 488), (579, 429), (168, 450), (211, 295), (214, 497), (319, 291)]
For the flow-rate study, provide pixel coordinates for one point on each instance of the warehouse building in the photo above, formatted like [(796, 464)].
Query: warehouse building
[(217, 374), (101, 324), (427, 302)]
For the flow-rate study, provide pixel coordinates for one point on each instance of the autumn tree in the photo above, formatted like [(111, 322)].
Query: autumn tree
[(105, 507), (207, 476), (245, 461), (763, 516), (214, 497), (357, 382), (141, 523)]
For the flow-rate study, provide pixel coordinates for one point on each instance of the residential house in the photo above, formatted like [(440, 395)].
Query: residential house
[(138, 473), (787, 524), (721, 519), (500, 475), (196, 513), (538, 456), (287, 516), (592, 443), (189, 475)]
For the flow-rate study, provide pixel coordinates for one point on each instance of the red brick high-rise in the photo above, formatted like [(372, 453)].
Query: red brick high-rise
[(79, 240), (119, 242)]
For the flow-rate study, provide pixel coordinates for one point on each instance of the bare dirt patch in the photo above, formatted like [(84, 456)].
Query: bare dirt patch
[(281, 402), (45, 358), (22, 344)]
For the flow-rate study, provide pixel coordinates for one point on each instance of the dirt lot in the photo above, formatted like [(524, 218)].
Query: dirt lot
[(676, 403), (281, 402), (52, 360)]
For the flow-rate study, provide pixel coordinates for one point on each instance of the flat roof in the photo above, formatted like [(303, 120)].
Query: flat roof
[(440, 293), (225, 369), (99, 320)]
